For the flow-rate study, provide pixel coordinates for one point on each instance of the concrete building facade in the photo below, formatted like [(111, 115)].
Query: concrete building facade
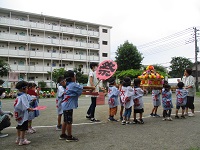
[(34, 44)]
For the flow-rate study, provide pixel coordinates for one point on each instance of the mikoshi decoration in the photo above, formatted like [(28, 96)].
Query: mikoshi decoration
[(151, 78), (106, 69)]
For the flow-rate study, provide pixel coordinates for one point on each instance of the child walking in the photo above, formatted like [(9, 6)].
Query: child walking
[(138, 102), (21, 108), (167, 102), (113, 94), (33, 101), (70, 102), (156, 102), (126, 95), (181, 99), (59, 97)]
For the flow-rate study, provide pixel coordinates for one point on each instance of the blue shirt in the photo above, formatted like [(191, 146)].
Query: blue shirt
[(73, 91)]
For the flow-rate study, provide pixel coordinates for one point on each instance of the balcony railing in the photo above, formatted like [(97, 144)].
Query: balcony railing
[(57, 42), (45, 55), (39, 68), (37, 25)]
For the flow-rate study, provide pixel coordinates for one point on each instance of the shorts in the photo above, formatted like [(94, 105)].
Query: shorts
[(113, 111), (190, 102), (155, 106), (68, 116), (138, 111), (23, 127), (178, 107)]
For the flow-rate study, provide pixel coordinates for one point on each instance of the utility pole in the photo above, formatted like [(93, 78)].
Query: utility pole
[(196, 53)]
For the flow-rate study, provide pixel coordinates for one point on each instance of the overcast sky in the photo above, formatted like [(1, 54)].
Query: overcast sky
[(138, 21)]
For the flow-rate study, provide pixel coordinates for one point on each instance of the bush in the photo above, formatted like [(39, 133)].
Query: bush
[(42, 84), (132, 73)]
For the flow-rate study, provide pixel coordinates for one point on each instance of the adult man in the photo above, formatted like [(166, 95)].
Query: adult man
[(92, 81), (189, 82)]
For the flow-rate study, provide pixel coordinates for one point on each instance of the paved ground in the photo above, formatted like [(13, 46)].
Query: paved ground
[(155, 134)]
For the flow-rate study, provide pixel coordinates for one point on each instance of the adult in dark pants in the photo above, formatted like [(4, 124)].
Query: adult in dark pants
[(189, 82), (4, 118), (92, 81)]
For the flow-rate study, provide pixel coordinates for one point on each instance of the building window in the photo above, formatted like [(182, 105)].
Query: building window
[(31, 78), (32, 49), (104, 54), (21, 62), (47, 64), (21, 48), (22, 33), (53, 64), (105, 42), (104, 30), (61, 65)]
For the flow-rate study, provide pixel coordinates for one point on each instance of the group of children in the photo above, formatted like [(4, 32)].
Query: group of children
[(132, 97), (24, 110), (129, 97), (27, 101)]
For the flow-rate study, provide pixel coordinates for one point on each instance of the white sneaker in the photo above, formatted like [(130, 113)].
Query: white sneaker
[(169, 119), (123, 122), (33, 129), (30, 131), (191, 115), (24, 142), (164, 119), (3, 135)]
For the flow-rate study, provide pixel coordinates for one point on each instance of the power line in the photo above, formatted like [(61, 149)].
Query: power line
[(185, 38), (164, 47), (170, 42), (170, 37)]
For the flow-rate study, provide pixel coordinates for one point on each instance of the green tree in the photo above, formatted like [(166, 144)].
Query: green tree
[(128, 57), (56, 73), (42, 84), (160, 68), (128, 73), (178, 65), (80, 77), (4, 68)]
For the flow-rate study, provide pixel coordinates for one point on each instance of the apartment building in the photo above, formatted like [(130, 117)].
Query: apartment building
[(34, 44)]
